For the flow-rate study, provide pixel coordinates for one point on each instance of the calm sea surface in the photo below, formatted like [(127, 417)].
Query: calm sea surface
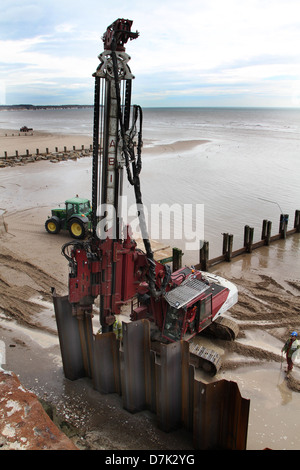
[(248, 171)]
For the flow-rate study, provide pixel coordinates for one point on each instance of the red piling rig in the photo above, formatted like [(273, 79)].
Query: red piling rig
[(117, 34)]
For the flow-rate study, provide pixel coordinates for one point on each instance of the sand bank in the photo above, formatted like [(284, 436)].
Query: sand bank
[(14, 140), (151, 148)]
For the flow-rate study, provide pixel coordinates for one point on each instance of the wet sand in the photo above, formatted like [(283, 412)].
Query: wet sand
[(31, 263), (267, 311)]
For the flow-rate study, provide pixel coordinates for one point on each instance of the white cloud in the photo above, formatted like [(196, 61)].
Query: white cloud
[(193, 37), (35, 64), (65, 28), (185, 45), (13, 51)]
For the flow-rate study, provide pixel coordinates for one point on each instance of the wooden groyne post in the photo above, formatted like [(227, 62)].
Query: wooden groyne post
[(177, 258), (248, 238), (227, 246), (266, 231), (204, 255), (283, 223), (297, 221), (249, 245)]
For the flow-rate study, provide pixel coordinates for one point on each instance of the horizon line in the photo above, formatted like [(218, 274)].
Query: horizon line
[(148, 107)]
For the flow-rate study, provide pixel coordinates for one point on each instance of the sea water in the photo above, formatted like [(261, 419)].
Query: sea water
[(247, 170)]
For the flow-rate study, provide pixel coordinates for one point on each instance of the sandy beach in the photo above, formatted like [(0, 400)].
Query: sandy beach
[(31, 264), (14, 140)]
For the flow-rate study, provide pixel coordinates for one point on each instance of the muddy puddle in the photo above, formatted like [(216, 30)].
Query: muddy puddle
[(274, 408)]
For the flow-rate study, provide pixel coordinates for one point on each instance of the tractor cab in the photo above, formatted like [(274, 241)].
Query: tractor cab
[(77, 206), (74, 217)]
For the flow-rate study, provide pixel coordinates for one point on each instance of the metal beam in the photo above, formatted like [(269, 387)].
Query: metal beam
[(106, 364), (220, 416), (135, 366), (162, 381), (75, 339), (172, 385)]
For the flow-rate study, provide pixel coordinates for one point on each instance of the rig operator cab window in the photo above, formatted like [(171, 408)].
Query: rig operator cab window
[(205, 312), (173, 323), (178, 323)]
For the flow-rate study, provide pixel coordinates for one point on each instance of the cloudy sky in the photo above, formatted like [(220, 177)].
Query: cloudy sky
[(189, 53)]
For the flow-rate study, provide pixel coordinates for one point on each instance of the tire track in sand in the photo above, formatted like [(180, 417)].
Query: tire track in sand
[(21, 282)]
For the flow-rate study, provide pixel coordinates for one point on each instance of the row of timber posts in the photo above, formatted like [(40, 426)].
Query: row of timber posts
[(249, 244), (37, 152), (159, 380)]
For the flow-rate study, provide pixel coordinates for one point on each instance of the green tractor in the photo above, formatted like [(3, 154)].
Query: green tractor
[(75, 217)]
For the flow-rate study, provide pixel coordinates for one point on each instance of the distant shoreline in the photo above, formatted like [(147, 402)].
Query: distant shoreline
[(22, 107), (18, 107)]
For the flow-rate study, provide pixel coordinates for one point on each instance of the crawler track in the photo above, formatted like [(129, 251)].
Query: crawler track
[(223, 328), (205, 358)]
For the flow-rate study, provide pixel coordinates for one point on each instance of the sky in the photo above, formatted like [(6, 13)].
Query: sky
[(189, 52)]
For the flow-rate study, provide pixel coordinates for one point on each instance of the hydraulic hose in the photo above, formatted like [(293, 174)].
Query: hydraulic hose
[(134, 180)]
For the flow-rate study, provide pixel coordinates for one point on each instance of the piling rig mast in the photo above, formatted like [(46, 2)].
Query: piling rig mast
[(108, 264)]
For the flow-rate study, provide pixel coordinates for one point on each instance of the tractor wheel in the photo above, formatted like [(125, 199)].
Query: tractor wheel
[(77, 229), (52, 226)]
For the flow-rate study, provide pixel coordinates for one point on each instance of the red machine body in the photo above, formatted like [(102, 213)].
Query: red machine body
[(110, 266), (118, 272), (189, 305)]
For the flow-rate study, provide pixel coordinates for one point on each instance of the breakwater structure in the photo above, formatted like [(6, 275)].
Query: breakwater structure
[(55, 157), (249, 245), (227, 245)]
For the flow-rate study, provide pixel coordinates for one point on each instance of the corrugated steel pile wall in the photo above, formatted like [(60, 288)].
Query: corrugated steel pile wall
[(215, 413)]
